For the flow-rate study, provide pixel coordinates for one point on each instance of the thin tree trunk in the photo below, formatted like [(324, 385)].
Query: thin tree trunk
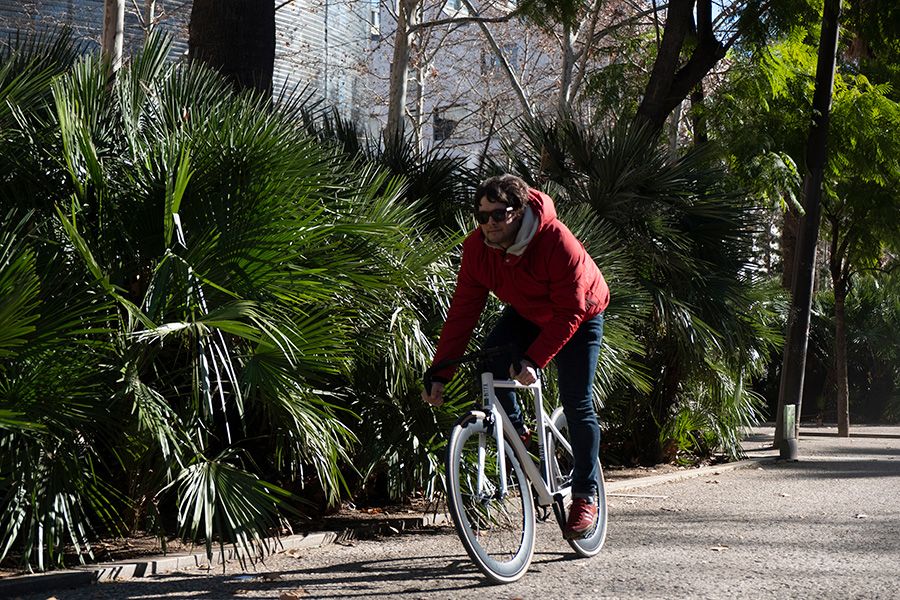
[(407, 15), (237, 37), (792, 373), (504, 63), (698, 121), (419, 120), (674, 127), (840, 360), (149, 16), (113, 33), (582, 59), (568, 68), (789, 229), (840, 283)]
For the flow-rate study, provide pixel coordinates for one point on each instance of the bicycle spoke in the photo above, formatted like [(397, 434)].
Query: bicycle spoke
[(496, 528)]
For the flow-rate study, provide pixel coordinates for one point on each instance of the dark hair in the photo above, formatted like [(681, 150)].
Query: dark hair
[(508, 189)]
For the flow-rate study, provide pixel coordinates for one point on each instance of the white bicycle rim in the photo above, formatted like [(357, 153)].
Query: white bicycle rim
[(593, 543), (482, 518)]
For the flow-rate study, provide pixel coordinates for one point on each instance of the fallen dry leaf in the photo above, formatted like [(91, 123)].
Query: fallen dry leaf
[(861, 516), (719, 548), (293, 595)]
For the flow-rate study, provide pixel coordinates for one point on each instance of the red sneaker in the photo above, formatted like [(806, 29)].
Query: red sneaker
[(582, 519), (525, 436)]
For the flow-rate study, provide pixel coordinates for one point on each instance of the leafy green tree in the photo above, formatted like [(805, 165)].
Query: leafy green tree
[(863, 207), (696, 35), (760, 115)]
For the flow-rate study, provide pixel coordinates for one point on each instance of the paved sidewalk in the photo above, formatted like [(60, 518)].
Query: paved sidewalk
[(825, 526)]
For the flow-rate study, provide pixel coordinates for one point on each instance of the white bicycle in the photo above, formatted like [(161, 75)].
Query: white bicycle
[(493, 483)]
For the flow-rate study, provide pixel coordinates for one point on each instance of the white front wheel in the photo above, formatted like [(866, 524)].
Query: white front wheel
[(496, 526)]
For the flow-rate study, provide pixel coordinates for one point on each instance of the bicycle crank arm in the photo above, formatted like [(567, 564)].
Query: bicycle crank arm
[(559, 509)]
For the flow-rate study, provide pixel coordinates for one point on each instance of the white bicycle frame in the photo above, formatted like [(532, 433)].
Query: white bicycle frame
[(545, 487)]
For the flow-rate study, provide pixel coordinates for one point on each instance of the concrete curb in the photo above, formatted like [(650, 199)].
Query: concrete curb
[(198, 560), (651, 480), (44, 582), (123, 570), (119, 571)]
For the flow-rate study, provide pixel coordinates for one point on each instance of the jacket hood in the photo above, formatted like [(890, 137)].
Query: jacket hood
[(539, 212), (543, 206)]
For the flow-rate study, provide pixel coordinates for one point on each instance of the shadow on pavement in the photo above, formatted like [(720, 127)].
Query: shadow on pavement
[(347, 580), (840, 468)]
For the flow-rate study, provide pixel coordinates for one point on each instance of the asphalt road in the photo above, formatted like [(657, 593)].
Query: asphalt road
[(827, 526)]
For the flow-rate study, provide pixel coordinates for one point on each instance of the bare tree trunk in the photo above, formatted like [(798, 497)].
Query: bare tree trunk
[(149, 16), (419, 118), (698, 121), (113, 33), (407, 15), (568, 68), (789, 228), (237, 37), (840, 361), (674, 126), (582, 58), (837, 265), (502, 60), (671, 79), (794, 366)]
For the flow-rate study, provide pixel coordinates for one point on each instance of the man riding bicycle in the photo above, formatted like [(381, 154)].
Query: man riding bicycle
[(555, 297)]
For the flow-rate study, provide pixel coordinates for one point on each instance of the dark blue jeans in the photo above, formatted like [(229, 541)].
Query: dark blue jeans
[(576, 364)]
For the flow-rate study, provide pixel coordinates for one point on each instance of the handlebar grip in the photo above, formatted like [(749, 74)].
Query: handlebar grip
[(517, 364)]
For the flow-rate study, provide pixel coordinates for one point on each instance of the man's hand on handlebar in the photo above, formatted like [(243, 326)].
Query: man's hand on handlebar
[(527, 375), (436, 398)]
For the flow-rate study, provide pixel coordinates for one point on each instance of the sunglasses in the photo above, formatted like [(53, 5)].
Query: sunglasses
[(499, 215)]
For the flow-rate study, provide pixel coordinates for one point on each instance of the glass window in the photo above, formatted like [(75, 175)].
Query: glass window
[(443, 125)]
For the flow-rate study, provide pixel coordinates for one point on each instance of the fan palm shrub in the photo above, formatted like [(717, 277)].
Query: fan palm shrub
[(54, 391), (219, 265), (691, 319), (401, 439)]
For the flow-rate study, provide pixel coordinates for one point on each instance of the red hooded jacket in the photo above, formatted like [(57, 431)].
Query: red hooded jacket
[(553, 283)]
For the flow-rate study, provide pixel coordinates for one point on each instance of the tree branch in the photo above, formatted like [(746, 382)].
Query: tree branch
[(656, 22), (599, 35), (513, 80), (581, 57), (464, 20), (704, 18)]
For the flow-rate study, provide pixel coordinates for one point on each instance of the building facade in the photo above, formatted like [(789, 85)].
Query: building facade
[(319, 44)]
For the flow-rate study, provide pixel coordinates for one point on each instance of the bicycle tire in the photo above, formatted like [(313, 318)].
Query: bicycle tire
[(561, 468), (497, 533)]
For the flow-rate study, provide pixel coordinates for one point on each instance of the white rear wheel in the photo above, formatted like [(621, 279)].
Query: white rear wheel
[(561, 464)]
